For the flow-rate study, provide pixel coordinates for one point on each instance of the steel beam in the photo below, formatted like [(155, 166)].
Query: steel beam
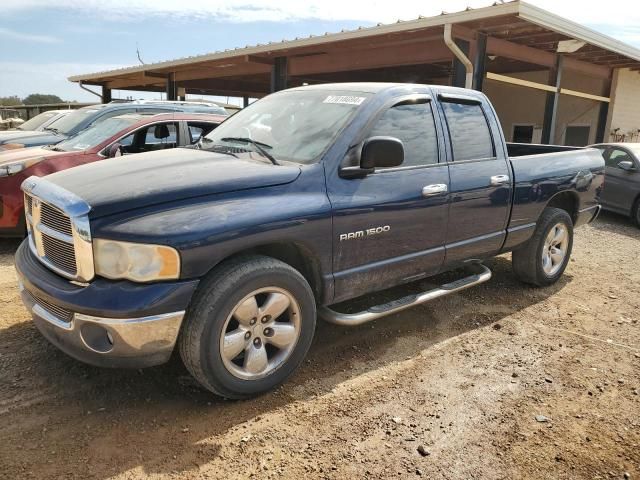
[(172, 88), (551, 107), (279, 74), (106, 94), (480, 64)]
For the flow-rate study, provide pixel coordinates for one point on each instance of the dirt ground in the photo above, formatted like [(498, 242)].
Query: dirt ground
[(500, 381)]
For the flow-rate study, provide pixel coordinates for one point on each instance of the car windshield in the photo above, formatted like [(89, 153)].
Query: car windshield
[(37, 121), (97, 134), (296, 125), (69, 122)]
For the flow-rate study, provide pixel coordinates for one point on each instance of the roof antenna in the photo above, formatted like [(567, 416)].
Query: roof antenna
[(138, 53)]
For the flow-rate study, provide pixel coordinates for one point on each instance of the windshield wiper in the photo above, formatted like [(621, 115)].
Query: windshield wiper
[(199, 145), (51, 129), (259, 146)]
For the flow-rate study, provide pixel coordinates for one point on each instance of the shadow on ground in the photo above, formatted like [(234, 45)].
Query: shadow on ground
[(106, 422)]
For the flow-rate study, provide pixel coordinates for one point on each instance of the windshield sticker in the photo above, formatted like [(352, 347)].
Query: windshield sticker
[(344, 99)]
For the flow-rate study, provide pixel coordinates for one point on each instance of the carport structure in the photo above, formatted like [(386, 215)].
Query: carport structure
[(495, 49)]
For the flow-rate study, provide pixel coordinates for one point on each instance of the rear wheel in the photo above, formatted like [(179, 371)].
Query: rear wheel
[(542, 260), (635, 212), (249, 327)]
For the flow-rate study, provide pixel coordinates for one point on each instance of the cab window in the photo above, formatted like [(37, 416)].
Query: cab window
[(469, 131), (414, 125)]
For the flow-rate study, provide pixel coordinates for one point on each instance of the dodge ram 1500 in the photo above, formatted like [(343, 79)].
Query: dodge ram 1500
[(306, 198)]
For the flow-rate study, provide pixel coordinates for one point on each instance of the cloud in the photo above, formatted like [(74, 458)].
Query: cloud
[(241, 11), (23, 78), (27, 37)]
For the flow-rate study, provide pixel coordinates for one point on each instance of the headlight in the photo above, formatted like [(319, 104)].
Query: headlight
[(135, 261), (11, 146), (16, 167)]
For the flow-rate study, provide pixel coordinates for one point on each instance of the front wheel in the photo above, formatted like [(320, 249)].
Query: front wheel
[(542, 260), (249, 327)]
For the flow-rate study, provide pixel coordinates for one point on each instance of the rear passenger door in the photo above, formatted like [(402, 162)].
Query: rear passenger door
[(387, 228), (480, 180)]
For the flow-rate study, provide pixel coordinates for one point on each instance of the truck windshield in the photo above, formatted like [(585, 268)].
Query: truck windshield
[(68, 123), (296, 126), (94, 136)]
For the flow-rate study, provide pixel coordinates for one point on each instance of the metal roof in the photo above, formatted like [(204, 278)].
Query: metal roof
[(516, 21)]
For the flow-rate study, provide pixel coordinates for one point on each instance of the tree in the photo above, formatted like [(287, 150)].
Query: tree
[(40, 98), (10, 101)]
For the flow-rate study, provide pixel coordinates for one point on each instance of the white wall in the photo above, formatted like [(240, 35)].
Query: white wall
[(523, 105), (624, 111)]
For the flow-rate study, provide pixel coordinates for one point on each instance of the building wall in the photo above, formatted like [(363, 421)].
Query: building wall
[(624, 111), (518, 105)]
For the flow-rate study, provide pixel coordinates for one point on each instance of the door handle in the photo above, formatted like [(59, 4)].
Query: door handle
[(435, 189), (498, 180)]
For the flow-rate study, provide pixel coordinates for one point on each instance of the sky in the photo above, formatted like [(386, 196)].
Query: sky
[(44, 42)]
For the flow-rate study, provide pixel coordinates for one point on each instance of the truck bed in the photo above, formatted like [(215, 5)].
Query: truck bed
[(524, 149)]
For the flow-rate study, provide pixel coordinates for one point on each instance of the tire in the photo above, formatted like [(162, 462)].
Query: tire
[(223, 306), (527, 260), (635, 213)]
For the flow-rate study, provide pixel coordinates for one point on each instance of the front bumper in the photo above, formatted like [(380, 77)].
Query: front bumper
[(105, 323)]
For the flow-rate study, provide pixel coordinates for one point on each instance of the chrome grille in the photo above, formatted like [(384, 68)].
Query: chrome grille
[(59, 230), (55, 219), (61, 254), (58, 312)]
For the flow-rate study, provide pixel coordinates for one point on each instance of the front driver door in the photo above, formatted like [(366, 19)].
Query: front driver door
[(620, 186), (387, 227)]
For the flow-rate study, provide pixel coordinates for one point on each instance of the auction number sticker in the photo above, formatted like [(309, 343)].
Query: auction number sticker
[(344, 99)]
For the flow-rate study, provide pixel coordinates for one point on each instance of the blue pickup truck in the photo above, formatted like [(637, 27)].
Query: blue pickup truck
[(308, 197)]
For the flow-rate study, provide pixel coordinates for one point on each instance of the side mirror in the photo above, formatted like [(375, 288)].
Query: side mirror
[(115, 150), (377, 152), (626, 165), (381, 152)]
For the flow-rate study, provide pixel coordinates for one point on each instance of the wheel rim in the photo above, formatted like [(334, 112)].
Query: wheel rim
[(554, 250), (260, 333)]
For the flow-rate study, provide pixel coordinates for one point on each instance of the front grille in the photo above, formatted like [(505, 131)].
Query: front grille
[(58, 312), (55, 219), (51, 236), (59, 253)]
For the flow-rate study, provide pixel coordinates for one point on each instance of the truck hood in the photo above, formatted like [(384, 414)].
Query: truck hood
[(136, 181), (30, 138)]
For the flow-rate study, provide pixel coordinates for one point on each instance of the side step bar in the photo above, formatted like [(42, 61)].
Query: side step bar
[(394, 306)]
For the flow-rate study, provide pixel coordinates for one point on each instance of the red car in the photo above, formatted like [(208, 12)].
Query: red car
[(122, 135)]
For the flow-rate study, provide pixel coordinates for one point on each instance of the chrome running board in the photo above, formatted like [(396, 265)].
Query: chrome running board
[(394, 306)]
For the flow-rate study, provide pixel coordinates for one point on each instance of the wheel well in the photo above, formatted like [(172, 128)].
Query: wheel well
[(294, 255), (567, 201)]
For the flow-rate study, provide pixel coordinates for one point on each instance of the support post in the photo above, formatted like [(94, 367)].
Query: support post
[(172, 90), (480, 67), (106, 94), (603, 114), (245, 101), (279, 74), (551, 106)]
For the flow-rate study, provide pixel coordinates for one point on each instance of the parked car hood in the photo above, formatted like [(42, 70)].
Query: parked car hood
[(151, 178), (10, 156), (30, 138)]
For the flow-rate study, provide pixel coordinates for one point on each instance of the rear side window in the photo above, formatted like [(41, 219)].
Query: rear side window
[(469, 131), (413, 124)]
